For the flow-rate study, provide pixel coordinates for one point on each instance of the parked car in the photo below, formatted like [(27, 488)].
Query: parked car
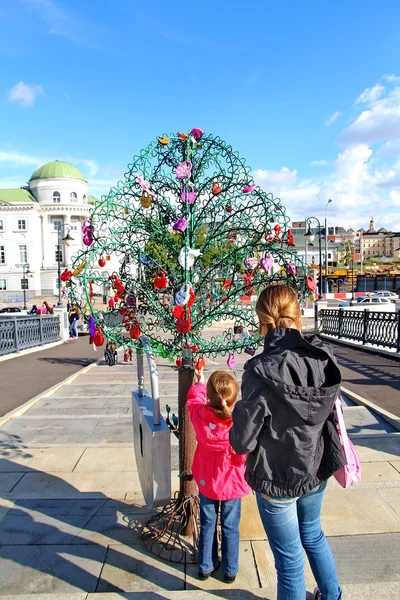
[(385, 294), (10, 309), (365, 300)]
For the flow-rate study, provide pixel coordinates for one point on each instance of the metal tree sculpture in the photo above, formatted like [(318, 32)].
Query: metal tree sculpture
[(195, 238)]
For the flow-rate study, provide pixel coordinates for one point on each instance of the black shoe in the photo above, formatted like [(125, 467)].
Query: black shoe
[(205, 576), (229, 578)]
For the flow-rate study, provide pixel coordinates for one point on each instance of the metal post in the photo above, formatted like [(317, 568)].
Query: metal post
[(16, 334), (352, 277), (23, 284), (59, 267), (320, 261), (341, 314), (365, 326)]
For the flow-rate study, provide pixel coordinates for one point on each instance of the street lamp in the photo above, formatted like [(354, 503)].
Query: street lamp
[(326, 247), (67, 241), (25, 272), (310, 236)]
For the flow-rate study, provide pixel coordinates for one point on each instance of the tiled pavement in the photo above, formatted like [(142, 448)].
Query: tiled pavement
[(71, 507)]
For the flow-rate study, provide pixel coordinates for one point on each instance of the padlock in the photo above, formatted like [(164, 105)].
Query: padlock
[(192, 297), (102, 261), (164, 141), (98, 339), (184, 322), (248, 189), (145, 200), (88, 238), (184, 169), (178, 362), (182, 297), (196, 133), (66, 275), (160, 281), (134, 330), (231, 362), (250, 350), (277, 229), (201, 363), (177, 312), (229, 208), (180, 225), (216, 188), (191, 196), (267, 262), (311, 284), (238, 329)]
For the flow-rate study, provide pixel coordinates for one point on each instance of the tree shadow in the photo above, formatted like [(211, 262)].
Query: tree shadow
[(68, 541), (62, 360)]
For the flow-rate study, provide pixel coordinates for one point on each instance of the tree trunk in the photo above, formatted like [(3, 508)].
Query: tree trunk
[(187, 439)]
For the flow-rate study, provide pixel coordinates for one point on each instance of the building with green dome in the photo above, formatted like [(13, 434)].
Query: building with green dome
[(55, 201)]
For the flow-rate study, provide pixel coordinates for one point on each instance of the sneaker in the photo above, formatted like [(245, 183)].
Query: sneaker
[(317, 594), (229, 578), (205, 576)]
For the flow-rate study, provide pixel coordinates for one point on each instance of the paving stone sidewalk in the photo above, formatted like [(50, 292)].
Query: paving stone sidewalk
[(71, 508)]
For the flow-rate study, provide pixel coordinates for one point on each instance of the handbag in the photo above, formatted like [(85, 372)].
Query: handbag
[(350, 473)]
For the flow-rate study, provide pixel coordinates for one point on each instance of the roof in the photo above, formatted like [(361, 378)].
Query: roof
[(93, 200), (57, 169), (17, 195)]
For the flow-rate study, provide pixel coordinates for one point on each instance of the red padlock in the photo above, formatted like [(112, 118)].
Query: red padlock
[(160, 281), (216, 188), (134, 330), (102, 262), (65, 275), (229, 208), (311, 284), (277, 229), (192, 298), (184, 322), (201, 363), (178, 362), (98, 339), (177, 312)]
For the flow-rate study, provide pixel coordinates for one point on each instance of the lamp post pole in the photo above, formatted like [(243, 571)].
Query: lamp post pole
[(309, 237), (67, 240), (326, 247), (24, 280)]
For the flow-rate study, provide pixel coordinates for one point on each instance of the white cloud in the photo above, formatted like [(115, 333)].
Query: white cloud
[(380, 121), (371, 94), (275, 179), (332, 118), (25, 94), (319, 163), (92, 165), (16, 159)]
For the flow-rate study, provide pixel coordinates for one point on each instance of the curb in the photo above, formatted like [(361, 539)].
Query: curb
[(363, 347), (20, 410), (386, 415)]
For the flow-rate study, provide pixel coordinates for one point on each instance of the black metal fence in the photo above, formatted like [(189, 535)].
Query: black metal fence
[(22, 332), (365, 326)]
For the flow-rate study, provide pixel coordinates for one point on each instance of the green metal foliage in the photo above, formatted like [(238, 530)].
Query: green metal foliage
[(239, 235)]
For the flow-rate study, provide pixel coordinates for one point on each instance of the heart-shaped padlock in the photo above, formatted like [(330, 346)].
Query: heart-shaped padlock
[(184, 169), (191, 196), (267, 262), (216, 188), (134, 330), (182, 297), (184, 322), (231, 362), (160, 281), (201, 363)]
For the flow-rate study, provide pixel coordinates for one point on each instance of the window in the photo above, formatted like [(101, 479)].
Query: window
[(74, 223), (57, 225), (84, 198), (73, 197), (21, 225), (56, 198), (58, 255), (376, 300), (3, 284), (1, 225), (23, 255), (2, 255)]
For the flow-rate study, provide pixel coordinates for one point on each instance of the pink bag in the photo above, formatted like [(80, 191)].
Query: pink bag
[(350, 473)]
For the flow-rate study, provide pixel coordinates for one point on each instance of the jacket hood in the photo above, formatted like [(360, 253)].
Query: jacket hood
[(300, 370), (211, 430)]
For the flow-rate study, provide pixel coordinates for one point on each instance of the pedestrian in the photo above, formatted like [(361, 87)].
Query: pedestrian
[(285, 424), (73, 322), (42, 310), (218, 471), (49, 309), (33, 310)]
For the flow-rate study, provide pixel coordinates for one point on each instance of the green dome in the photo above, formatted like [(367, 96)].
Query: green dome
[(57, 169)]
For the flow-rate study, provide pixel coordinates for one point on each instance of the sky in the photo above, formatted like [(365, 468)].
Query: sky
[(308, 92)]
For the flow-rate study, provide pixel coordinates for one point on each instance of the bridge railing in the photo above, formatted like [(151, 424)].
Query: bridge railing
[(23, 332), (368, 327)]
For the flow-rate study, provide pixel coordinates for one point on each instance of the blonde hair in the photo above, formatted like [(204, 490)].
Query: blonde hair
[(222, 391), (278, 306)]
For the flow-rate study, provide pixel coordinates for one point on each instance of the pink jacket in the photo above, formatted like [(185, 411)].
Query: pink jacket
[(217, 469)]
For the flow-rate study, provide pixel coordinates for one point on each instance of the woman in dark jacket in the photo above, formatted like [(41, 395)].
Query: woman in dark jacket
[(284, 423)]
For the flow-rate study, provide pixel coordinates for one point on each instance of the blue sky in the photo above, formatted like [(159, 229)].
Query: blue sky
[(308, 92)]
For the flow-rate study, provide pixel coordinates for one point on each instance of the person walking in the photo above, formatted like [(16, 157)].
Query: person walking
[(218, 471), (73, 322), (285, 424)]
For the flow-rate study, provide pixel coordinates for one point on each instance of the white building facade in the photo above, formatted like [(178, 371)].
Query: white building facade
[(55, 202)]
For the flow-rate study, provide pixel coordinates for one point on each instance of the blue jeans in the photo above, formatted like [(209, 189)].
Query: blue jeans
[(292, 526), (208, 543), (73, 328)]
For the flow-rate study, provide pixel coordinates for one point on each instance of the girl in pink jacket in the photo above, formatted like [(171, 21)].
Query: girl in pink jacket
[(218, 471)]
